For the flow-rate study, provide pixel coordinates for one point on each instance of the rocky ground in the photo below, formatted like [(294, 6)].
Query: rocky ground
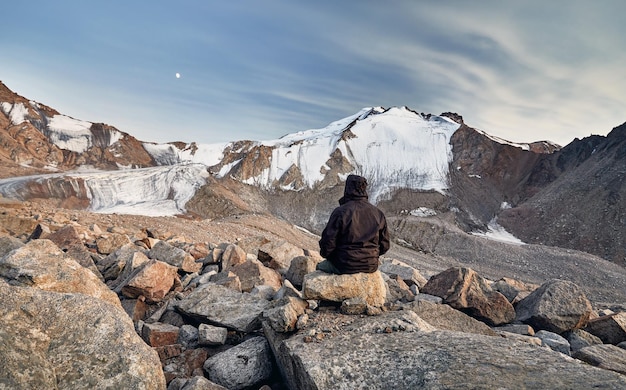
[(215, 298)]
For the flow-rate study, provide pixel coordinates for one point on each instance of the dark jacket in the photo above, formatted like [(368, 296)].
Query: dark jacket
[(356, 233)]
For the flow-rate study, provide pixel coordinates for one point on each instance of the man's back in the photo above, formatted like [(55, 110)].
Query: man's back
[(356, 233)]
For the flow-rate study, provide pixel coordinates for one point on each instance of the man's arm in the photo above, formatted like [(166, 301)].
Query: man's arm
[(383, 239), (328, 242)]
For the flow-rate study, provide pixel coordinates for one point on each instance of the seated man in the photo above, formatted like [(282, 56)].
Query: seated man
[(356, 233)]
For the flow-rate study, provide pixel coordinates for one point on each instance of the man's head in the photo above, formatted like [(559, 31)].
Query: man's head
[(356, 187)]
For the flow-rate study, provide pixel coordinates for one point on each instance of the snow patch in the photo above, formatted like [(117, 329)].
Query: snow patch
[(422, 212), (16, 112), (69, 133), (505, 142), (496, 232)]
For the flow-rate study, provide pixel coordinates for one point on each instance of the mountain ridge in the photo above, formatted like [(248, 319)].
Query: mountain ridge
[(413, 161)]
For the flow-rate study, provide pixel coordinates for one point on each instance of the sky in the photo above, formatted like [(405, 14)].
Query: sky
[(520, 70)]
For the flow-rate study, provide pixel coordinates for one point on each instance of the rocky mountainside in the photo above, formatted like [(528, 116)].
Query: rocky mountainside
[(571, 197)]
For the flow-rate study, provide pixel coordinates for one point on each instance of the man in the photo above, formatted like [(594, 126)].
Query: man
[(356, 233)]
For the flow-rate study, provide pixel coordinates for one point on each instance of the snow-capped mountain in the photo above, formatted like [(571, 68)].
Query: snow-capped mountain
[(393, 148)]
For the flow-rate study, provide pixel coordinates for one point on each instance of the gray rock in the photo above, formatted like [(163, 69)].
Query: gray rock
[(174, 256), (7, 244), (610, 329), (606, 356), (362, 358), (53, 340), (556, 306), (231, 256), (445, 317), (300, 266), (410, 275), (211, 335), (554, 341), (225, 307), (287, 290), (284, 313), (188, 336), (242, 366), (521, 329), (579, 339)]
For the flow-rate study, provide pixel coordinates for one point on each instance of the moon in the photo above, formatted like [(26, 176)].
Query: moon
[(177, 75)]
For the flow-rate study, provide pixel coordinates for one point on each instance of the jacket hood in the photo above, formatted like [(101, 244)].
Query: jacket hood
[(356, 188)]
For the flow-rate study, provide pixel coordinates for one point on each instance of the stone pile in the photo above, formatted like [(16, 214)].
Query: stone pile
[(86, 307)]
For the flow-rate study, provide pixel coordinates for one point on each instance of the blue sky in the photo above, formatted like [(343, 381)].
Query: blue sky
[(523, 71)]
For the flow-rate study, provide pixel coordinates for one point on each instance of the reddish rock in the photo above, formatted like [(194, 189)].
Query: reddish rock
[(159, 334), (463, 289), (153, 281)]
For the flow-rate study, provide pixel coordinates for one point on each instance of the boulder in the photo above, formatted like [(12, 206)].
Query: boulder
[(610, 329), (188, 336), (68, 240), (408, 274), (159, 334), (521, 329), (300, 266), (579, 339), (447, 318), (174, 256), (232, 255), (513, 290), (243, 366), (112, 265), (278, 255), (253, 273), (131, 266), (52, 340), (211, 335), (283, 314), (227, 279), (556, 306), (153, 280), (225, 307), (7, 244), (109, 243), (337, 288), (463, 289), (606, 356), (361, 356), (397, 289), (554, 341), (41, 264)]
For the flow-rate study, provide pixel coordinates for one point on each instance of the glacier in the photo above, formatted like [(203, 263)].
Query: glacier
[(156, 191)]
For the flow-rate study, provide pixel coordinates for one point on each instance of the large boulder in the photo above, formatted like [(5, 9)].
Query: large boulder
[(7, 244), (241, 366), (605, 356), (41, 264), (225, 307), (278, 255), (53, 340), (610, 329), (463, 289), (361, 356), (174, 256), (153, 280), (252, 273), (337, 288), (556, 306)]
